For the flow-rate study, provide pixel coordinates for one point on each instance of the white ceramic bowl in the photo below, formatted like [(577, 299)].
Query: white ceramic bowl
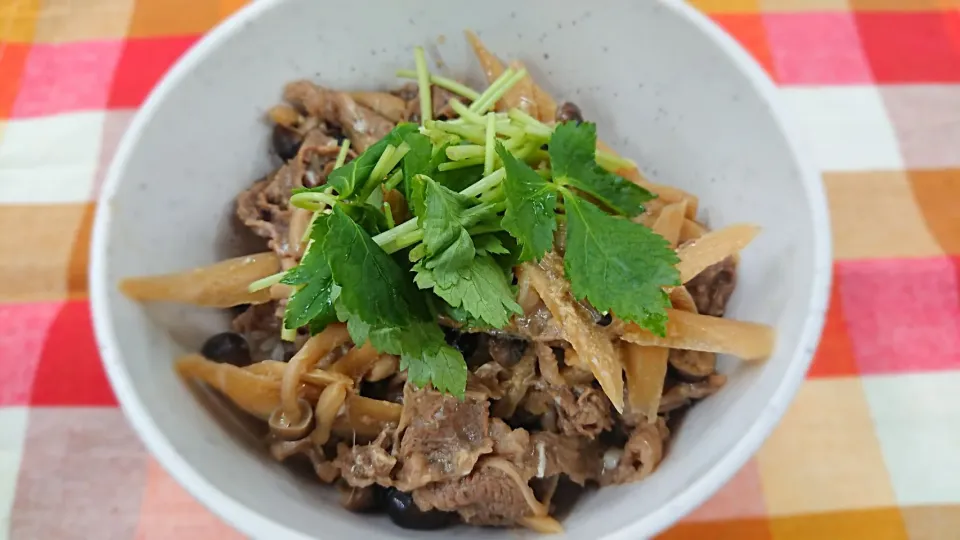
[(667, 88)]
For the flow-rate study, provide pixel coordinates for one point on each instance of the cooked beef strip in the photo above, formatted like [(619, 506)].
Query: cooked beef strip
[(442, 439), (682, 394), (692, 365), (506, 351), (640, 456), (512, 444), (260, 325), (386, 105), (711, 289), (581, 410), (520, 377), (408, 92), (265, 207), (487, 496), (367, 464), (440, 98), (311, 99), (284, 450), (357, 499), (569, 112), (577, 457), (363, 126)]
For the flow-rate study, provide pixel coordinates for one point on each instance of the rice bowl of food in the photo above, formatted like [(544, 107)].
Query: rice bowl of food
[(548, 277)]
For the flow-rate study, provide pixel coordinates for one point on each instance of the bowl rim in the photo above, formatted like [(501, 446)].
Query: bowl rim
[(248, 520)]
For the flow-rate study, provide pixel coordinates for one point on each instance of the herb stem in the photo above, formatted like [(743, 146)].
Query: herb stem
[(312, 200), (443, 82), (487, 101), (491, 90), (342, 156), (614, 163), (423, 81), (265, 283), (492, 195), (460, 164), (485, 183), (470, 133), (380, 169), (388, 213), (391, 235), (491, 139), (394, 180)]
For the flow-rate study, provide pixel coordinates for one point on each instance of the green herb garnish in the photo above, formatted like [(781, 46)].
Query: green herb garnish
[(483, 194)]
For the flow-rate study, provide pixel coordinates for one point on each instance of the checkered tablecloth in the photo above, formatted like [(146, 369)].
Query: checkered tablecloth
[(869, 450)]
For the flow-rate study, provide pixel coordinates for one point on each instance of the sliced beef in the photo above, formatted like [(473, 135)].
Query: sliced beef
[(386, 105), (304, 448), (363, 126), (311, 99), (592, 343), (581, 410), (537, 325), (711, 289), (692, 365), (260, 325), (519, 379), (506, 351), (680, 395), (366, 464), (569, 112), (440, 98), (639, 457), (408, 92), (577, 457), (512, 445), (265, 207), (443, 438), (487, 496)]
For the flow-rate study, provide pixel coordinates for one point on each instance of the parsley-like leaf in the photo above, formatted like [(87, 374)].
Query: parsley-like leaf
[(618, 265), (351, 177), (313, 300), (373, 285), (573, 151), (441, 365), (480, 288), (489, 244), (531, 207), (423, 352), (441, 215)]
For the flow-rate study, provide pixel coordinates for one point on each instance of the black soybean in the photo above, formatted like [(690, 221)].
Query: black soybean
[(227, 347), (286, 142), (405, 514)]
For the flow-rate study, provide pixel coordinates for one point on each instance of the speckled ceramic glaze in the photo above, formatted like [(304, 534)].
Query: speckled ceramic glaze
[(666, 87)]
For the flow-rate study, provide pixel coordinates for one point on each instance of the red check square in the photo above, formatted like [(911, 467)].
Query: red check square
[(70, 371), (834, 357), (23, 330), (13, 60), (142, 64), (817, 48), (902, 315), (907, 47), (66, 78)]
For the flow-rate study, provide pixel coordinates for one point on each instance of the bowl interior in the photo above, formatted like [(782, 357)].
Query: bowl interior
[(665, 89)]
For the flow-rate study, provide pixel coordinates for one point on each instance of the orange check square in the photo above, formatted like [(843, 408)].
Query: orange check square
[(749, 31), (726, 6), (168, 18), (65, 20), (18, 20), (937, 193)]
